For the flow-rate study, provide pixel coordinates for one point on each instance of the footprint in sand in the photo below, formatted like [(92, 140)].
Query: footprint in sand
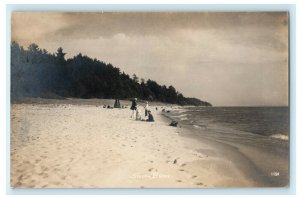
[(26, 162), (56, 183), (199, 183), (194, 176), (19, 184), (152, 169), (45, 175), (56, 169), (183, 165), (45, 168), (179, 180), (20, 178), (20, 170)]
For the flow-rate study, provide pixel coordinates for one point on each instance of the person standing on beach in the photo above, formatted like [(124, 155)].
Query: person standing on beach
[(146, 109), (133, 108), (138, 114)]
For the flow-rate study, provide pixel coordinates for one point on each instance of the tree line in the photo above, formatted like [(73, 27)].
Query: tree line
[(37, 73)]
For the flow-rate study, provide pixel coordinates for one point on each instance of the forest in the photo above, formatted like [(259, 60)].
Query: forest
[(37, 73)]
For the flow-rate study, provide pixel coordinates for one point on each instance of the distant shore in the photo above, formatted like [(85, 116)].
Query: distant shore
[(77, 143)]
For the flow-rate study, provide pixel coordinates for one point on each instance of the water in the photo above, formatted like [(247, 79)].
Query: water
[(266, 121), (261, 127), (259, 134)]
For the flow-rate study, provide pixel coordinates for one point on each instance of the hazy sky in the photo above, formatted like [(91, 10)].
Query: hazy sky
[(224, 58)]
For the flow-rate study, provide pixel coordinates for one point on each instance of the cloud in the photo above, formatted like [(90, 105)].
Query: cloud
[(225, 58)]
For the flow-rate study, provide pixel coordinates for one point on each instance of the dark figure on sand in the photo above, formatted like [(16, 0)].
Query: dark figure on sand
[(110, 107), (150, 117), (173, 123), (134, 104), (117, 104), (133, 107)]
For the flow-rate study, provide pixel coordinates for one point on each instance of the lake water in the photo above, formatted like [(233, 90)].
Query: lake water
[(260, 134)]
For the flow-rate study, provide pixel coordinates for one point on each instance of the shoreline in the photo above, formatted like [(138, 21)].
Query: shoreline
[(257, 164), (81, 101), (79, 146)]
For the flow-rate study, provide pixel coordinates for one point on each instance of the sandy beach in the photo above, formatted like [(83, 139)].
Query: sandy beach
[(65, 145)]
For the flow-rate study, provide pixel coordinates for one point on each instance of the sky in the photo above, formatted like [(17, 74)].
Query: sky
[(227, 59)]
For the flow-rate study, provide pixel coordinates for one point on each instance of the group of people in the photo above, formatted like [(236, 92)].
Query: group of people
[(136, 112)]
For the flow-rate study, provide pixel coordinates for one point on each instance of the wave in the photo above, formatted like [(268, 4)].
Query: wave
[(199, 110), (180, 116), (280, 136), (181, 111), (200, 126), (184, 118)]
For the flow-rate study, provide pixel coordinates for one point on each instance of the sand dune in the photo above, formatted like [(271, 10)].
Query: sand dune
[(72, 146)]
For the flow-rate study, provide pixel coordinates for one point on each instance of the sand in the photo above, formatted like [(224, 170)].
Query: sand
[(87, 146)]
